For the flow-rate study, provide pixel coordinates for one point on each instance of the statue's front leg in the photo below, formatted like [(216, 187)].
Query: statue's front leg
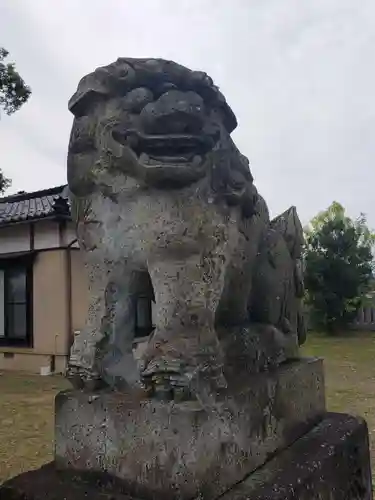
[(118, 364), (83, 369), (184, 342), (102, 352)]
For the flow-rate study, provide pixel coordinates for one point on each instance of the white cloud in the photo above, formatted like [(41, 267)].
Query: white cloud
[(298, 74)]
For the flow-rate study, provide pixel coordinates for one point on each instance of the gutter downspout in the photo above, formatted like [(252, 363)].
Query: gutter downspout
[(69, 293)]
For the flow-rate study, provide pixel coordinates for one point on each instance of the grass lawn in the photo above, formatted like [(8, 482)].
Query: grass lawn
[(26, 401), (350, 375)]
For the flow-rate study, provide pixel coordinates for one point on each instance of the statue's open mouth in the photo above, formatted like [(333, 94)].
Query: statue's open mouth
[(166, 149)]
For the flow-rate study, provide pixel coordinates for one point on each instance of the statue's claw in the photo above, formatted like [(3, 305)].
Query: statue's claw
[(83, 379)]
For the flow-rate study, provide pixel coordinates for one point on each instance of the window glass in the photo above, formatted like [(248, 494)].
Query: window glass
[(143, 313), (2, 316), (16, 285), (16, 321), (143, 325), (14, 308)]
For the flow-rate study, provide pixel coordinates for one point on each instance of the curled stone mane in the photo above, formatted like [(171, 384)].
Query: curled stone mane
[(126, 74)]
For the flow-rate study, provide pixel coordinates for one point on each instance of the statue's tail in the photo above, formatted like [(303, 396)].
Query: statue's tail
[(289, 226)]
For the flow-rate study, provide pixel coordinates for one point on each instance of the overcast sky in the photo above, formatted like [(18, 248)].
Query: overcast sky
[(299, 74)]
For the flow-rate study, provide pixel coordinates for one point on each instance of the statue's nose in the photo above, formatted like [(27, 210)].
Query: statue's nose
[(175, 112)]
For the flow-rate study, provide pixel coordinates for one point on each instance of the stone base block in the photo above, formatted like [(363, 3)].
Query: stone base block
[(255, 349), (182, 450), (331, 462)]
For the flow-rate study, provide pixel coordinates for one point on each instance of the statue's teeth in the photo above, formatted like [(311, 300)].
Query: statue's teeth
[(144, 158)]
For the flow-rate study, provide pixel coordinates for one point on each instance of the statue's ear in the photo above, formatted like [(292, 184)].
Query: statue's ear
[(91, 89), (229, 118)]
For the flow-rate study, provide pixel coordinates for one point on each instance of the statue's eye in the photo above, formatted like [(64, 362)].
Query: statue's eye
[(123, 70), (135, 100), (123, 78), (163, 88)]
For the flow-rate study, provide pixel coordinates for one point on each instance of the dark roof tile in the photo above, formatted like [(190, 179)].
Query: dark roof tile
[(37, 205)]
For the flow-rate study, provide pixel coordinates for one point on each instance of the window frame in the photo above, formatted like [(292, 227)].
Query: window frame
[(24, 262)]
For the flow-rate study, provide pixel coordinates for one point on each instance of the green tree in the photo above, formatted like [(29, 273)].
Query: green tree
[(339, 267), (13, 90), (13, 94)]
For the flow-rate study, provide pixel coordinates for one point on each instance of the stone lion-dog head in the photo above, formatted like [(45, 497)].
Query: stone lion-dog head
[(160, 123)]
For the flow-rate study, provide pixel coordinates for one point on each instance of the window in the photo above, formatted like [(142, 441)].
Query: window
[(143, 317), (15, 304)]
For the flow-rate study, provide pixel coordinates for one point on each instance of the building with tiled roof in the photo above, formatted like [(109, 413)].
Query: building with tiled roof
[(43, 286)]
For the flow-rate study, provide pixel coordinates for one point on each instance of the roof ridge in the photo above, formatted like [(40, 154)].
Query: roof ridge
[(33, 194)]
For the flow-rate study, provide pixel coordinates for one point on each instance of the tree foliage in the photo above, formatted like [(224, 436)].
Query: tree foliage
[(13, 90), (13, 94), (338, 267)]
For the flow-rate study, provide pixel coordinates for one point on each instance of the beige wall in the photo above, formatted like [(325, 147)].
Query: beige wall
[(79, 290), (15, 238), (69, 235), (46, 234), (51, 299), (27, 361), (50, 304)]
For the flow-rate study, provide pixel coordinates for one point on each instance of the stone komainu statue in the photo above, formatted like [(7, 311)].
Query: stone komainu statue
[(166, 207)]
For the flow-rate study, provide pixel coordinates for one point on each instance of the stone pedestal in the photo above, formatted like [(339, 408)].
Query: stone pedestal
[(181, 450), (331, 462)]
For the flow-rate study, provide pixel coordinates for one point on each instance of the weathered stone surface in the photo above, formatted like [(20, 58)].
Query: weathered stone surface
[(247, 351), (180, 450), (331, 462), (255, 349), (278, 279), (158, 188), (48, 483)]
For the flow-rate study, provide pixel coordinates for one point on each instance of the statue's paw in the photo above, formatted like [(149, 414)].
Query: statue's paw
[(166, 379), (75, 379), (83, 379)]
